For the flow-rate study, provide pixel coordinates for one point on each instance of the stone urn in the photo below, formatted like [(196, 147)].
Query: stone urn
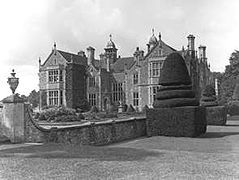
[(13, 82)]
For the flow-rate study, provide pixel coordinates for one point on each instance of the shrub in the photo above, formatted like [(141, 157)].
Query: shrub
[(106, 115), (36, 116), (80, 116), (209, 91), (174, 71), (83, 105), (233, 108), (94, 109), (113, 108), (59, 114)]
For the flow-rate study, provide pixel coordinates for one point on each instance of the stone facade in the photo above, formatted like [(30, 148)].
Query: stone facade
[(62, 79), (111, 78)]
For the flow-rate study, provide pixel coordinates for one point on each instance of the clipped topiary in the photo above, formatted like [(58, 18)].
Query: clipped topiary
[(209, 91), (174, 71), (130, 109), (176, 87), (233, 108), (94, 109), (209, 97)]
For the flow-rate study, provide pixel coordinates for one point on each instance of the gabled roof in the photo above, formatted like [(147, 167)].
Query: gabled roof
[(122, 64), (164, 46), (70, 57)]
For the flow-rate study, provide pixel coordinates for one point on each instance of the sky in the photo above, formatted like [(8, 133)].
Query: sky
[(28, 30)]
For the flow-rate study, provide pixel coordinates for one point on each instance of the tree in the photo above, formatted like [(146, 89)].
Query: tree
[(33, 98), (229, 78), (234, 59), (24, 97)]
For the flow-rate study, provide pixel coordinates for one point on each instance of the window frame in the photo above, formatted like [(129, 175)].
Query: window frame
[(136, 78), (53, 75), (117, 92), (92, 99), (136, 99), (53, 98)]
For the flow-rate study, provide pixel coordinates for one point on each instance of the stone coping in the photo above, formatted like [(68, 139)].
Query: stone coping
[(86, 124)]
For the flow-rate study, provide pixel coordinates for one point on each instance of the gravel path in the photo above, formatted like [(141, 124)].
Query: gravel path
[(214, 155)]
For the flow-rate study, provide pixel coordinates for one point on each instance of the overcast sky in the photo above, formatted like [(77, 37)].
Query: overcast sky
[(29, 28)]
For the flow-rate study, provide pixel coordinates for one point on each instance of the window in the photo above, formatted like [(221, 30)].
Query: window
[(91, 81), (155, 69), (61, 76), (117, 90), (135, 78), (135, 98), (61, 97), (155, 90), (92, 99), (53, 98), (53, 76)]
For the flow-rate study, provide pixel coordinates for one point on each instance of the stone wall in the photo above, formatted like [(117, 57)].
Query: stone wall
[(99, 133)]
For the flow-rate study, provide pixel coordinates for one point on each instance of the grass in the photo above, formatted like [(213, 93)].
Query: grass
[(212, 156)]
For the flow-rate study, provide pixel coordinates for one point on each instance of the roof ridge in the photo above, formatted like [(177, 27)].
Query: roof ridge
[(67, 52)]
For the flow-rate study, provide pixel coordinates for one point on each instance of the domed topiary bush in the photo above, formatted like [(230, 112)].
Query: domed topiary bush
[(174, 71), (176, 87), (209, 96)]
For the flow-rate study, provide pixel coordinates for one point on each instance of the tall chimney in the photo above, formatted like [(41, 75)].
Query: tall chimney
[(91, 55), (191, 46), (202, 52)]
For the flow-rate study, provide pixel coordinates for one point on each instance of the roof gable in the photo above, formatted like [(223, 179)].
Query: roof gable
[(122, 64), (155, 51), (61, 57), (70, 57)]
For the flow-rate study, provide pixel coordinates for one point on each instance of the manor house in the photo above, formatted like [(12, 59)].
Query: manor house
[(70, 79)]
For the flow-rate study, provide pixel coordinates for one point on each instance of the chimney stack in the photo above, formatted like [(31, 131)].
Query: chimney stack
[(202, 52), (91, 55), (81, 53), (191, 46)]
